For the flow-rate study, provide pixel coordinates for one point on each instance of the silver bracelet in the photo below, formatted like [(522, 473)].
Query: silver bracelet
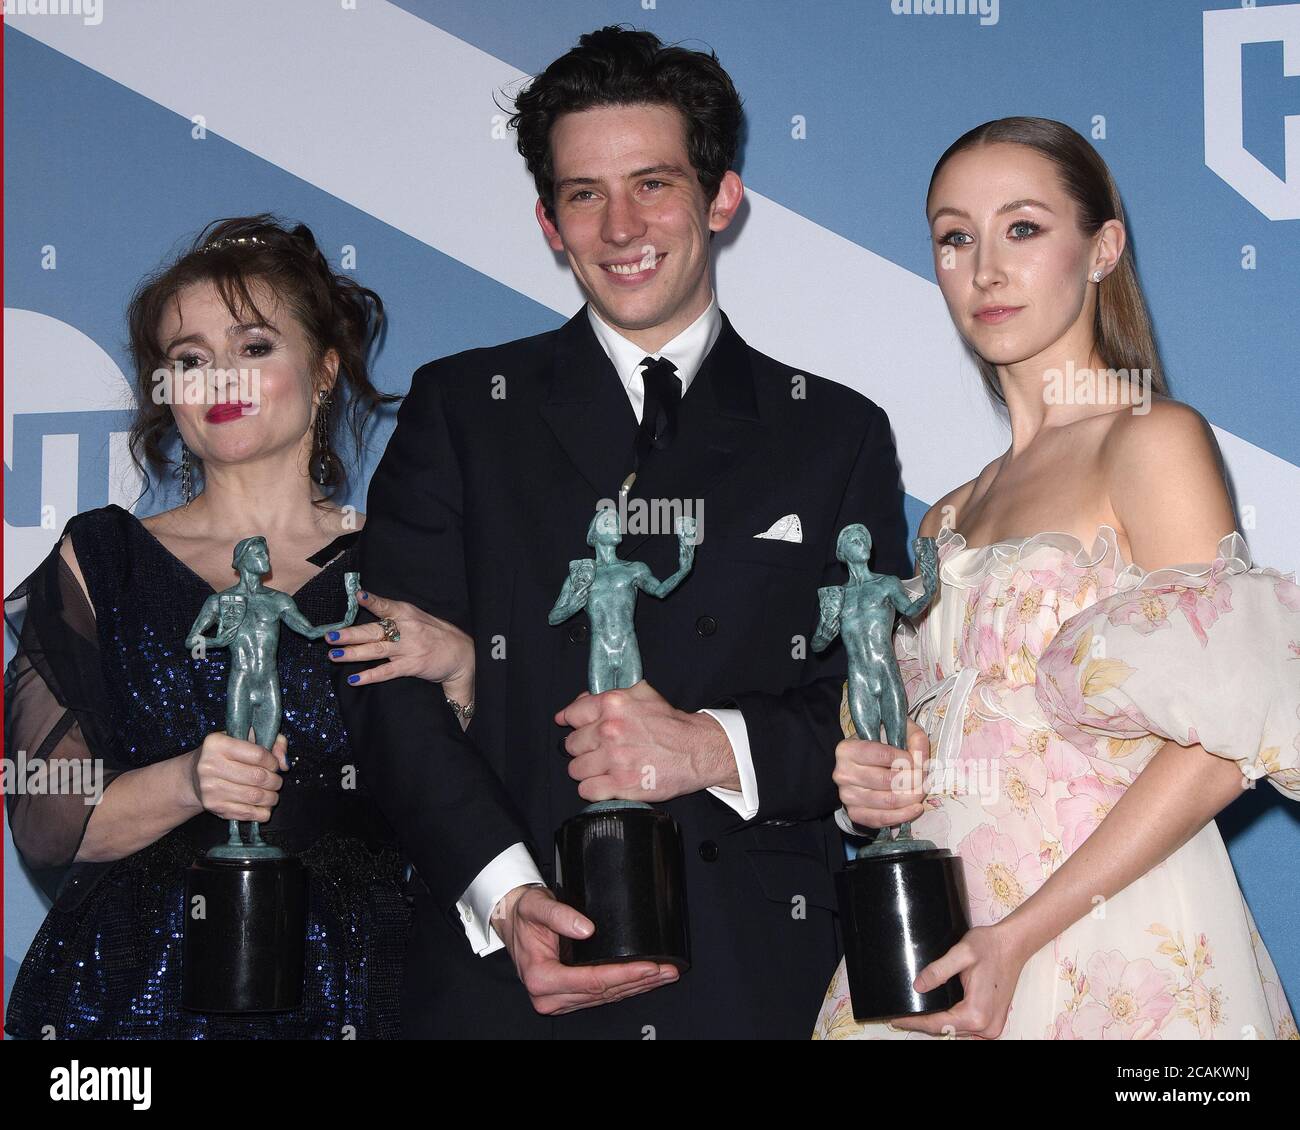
[(464, 713)]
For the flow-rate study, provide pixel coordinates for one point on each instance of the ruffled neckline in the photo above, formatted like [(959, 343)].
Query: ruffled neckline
[(964, 566)]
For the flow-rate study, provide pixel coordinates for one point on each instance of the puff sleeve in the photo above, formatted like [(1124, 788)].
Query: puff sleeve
[(1207, 655)]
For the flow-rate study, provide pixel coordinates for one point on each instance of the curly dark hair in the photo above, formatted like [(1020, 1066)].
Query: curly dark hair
[(334, 311), (618, 66)]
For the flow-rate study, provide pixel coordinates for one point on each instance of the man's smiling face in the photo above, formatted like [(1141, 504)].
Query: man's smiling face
[(632, 218)]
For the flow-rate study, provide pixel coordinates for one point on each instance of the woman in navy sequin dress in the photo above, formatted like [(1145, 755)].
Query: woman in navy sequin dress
[(104, 702)]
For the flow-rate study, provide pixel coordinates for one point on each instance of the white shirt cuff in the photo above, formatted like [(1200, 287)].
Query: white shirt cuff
[(513, 868), (744, 802), (844, 824)]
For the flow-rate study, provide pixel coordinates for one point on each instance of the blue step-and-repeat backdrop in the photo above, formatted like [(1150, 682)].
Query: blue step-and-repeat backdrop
[(131, 123)]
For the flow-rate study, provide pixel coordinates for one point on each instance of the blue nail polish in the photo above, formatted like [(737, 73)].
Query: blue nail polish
[(336, 653), (365, 596), (331, 636), (353, 678)]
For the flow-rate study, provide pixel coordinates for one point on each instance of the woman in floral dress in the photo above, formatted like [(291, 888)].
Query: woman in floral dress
[(1103, 670)]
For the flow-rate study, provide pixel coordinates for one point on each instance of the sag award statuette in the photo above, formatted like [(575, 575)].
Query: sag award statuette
[(902, 900), (246, 903), (620, 862)]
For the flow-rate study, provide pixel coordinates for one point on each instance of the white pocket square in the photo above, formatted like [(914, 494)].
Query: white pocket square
[(788, 528)]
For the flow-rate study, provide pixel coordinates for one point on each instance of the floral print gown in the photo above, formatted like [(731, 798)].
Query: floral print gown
[(1047, 674)]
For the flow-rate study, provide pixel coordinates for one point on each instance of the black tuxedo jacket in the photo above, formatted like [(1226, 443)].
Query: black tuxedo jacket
[(482, 497)]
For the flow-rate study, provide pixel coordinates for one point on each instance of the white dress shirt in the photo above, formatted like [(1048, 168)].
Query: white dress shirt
[(514, 867)]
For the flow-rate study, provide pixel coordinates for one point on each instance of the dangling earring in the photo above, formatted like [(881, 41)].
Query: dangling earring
[(185, 473), (323, 462)]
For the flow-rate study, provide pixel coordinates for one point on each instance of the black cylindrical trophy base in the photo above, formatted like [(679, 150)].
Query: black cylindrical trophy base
[(900, 911), (244, 940), (624, 869)]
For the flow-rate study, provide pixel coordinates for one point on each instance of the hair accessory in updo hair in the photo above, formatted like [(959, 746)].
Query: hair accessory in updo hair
[(233, 241)]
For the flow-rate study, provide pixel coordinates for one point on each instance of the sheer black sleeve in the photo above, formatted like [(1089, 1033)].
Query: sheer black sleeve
[(60, 746)]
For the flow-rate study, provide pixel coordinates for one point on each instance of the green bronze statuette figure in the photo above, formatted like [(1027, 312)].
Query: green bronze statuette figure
[(862, 613), (620, 862), (248, 617), (902, 901), (606, 587)]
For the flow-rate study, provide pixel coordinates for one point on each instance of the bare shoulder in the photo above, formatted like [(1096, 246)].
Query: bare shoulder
[(945, 511), (1165, 437), (163, 521), (1166, 486)]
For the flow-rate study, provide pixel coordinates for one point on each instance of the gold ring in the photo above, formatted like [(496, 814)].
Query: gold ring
[(391, 634)]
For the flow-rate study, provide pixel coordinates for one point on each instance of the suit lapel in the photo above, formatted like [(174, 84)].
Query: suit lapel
[(718, 426), (588, 410)]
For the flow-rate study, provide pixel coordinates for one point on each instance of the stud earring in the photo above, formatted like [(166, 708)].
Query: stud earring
[(1096, 276)]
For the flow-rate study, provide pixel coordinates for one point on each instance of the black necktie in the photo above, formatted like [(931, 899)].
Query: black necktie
[(663, 393)]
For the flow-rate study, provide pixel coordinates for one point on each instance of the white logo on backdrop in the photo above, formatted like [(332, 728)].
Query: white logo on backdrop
[(52, 367), (1225, 32)]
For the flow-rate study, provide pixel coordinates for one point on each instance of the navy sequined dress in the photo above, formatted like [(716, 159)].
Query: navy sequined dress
[(118, 690)]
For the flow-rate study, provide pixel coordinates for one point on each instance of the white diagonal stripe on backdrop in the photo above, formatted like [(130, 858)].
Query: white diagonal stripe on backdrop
[(425, 151)]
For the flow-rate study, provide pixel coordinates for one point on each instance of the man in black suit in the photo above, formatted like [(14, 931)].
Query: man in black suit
[(484, 495)]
